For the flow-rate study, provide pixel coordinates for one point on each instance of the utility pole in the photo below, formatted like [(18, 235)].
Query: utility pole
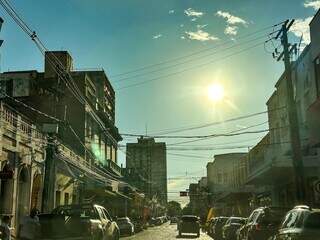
[(49, 176), (297, 159)]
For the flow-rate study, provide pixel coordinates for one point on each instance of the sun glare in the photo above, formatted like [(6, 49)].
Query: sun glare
[(215, 92)]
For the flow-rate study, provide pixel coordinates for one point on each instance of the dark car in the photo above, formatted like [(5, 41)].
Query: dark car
[(189, 224), (217, 227), (231, 226), (125, 225), (263, 223), (301, 223)]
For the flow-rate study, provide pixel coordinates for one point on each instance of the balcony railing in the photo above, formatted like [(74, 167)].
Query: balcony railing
[(16, 124), (114, 167)]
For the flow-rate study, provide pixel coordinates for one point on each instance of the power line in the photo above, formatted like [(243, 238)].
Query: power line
[(195, 52), (190, 60), (198, 136), (183, 129), (190, 68)]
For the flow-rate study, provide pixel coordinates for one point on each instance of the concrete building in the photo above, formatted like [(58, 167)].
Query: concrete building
[(82, 106), (47, 92), (148, 158), (270, 162), (220, 178), (22, 155), (199, 198)]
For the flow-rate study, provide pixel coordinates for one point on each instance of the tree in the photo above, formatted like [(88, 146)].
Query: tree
[(174, 208), (187, 210)]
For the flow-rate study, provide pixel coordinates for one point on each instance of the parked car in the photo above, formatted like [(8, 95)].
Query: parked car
[(189, 224), (217, 227), (125, 225), (301, 223), (85, 221), (263, 223), (158, 221), (231, 226)]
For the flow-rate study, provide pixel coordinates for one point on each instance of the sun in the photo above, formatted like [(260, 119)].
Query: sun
[(216, 92)]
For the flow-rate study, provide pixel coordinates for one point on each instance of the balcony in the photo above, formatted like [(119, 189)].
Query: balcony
[(276, 166), (114, 167)]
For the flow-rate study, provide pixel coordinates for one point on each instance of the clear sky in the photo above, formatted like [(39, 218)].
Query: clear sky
[(123, 35)]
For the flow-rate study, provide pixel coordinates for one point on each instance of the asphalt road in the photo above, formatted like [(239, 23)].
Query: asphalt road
[(164, 232)]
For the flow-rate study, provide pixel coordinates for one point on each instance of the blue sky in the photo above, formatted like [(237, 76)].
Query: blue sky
[(123, 35)]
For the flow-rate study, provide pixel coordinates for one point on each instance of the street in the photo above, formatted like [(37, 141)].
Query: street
[(165, 231)]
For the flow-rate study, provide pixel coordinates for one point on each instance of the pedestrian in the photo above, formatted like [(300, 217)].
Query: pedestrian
[(29, 227), (5, 232)]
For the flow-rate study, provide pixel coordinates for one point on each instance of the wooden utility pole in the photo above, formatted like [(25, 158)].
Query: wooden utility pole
[(297, 159)]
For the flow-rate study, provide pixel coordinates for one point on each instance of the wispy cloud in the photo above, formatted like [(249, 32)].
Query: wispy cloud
[(301, 28), (231, 30), (157, 36), (200, 35), (171, 11), (231, 19), (193, 13), (313, 4), (201, 26)]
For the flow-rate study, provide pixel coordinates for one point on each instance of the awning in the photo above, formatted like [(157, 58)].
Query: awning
[(123, 196)]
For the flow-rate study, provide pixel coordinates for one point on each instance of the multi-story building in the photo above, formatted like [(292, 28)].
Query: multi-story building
[(78, 109), (199, 198), (22, 155), (270, 162), (92, 120), (148, 159), (220, 178)]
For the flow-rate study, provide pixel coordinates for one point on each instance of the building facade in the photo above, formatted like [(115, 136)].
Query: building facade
[(148, 159)]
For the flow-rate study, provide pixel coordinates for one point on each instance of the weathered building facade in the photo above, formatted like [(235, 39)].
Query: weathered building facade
[(148, 158)]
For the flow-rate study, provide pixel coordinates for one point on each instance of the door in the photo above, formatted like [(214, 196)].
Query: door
[(111, 229)]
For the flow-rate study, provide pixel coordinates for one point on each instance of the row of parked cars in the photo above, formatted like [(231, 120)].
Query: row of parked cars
[(268, 223), (158, 221)]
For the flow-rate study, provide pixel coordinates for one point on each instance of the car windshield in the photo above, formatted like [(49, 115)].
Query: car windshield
[(313, 221), (237, 220), (272, 216), (83, 211), (122, 220)]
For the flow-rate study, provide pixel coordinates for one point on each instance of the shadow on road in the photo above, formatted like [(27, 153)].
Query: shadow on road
[(187, 236)]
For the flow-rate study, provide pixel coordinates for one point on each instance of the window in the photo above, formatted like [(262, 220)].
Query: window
[(58, 198), (290, 220), (66, 198), (106, 213), (219, 178), (252, 217), (313, 221), (101, 213)]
